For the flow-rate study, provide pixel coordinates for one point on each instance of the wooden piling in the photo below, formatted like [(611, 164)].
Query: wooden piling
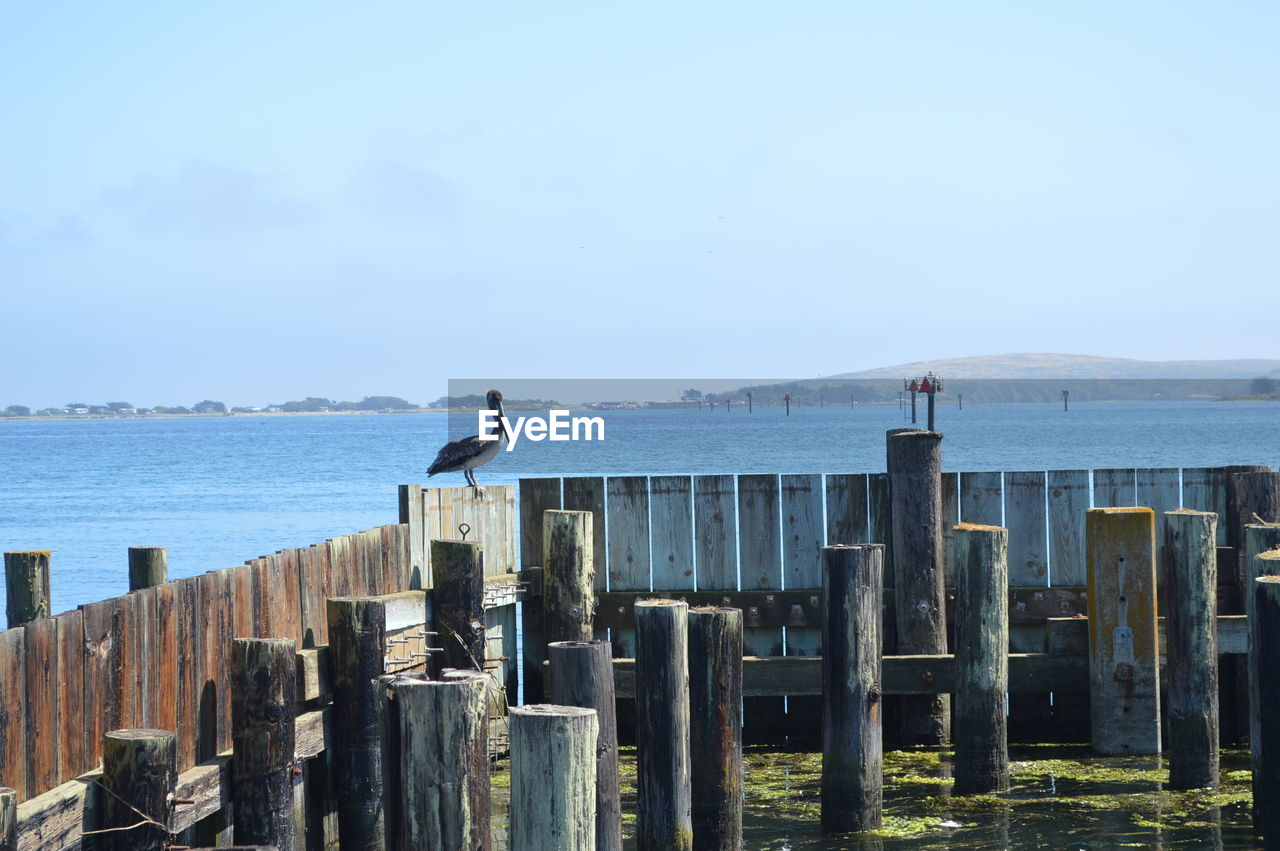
[(982, 659), (1264, 691), (148, 567), (444, 761), (139, 775), (852, 748), (1123, 668), (357, 643), (26, 575), (8, 819), (569, 571), (663, 816), (263, 699), (553, 778), (715, 734), (914, 462), (1191, 641), (582, 675), (457, 568)]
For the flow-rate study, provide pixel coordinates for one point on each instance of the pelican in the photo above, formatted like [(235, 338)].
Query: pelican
[(471, 452)]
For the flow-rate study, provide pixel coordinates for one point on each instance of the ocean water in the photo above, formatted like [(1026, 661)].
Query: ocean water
[(219, 490)]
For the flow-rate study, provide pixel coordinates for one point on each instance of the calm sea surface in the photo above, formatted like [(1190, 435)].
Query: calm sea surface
[(219, 490)]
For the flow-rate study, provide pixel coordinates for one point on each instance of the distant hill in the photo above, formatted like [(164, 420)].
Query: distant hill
[(1056, 366)]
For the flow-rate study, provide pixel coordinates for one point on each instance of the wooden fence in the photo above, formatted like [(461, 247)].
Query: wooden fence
[(754, 541)]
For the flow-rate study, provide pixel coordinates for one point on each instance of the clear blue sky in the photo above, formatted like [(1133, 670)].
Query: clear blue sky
[(257, 202)]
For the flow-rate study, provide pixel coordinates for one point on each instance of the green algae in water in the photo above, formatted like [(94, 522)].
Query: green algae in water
[(1061, 796)]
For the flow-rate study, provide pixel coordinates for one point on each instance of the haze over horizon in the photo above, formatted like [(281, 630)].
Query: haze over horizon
[(256, 204)]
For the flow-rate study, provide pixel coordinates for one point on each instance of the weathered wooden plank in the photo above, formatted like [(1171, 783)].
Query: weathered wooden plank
[(397, 562), (1205, 489), (41, 645), (1068, 496), (289, 597), (1159, 488), (880, 531), (950, 517), (759, 534), (801, 531), (313, 673), (671, 531), (55, 819), (760, 553), (846, 509), (70, 733), (802, 568), (376, 575), (13, 710), (187, 628), (313, 587), (163, 657), (586, 493), (1028, 566), (141, 687), (106, 626), (1029, 673), (432, 528), (410, 503), (214, 625), (801, 607), (536, 496), (1024, 517), (980, 498), (1114, 488), (715, 545), (628, 524), (240, 581), (342, 581), (263, 615)]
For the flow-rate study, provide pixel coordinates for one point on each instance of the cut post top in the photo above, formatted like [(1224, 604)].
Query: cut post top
[(1269, 555), (1125, 509), (978, 527), (1191, 511), (854, 547), (536, 709), (1270, 580), (572, 644), (913, 432), (714, 610), (660, 601), (44, 553)]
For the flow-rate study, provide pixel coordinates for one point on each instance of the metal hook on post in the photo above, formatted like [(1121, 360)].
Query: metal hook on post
[(463, 529)]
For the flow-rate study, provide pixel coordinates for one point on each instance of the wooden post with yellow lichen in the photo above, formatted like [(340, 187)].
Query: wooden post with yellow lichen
[(1124, 670), (852, 705)]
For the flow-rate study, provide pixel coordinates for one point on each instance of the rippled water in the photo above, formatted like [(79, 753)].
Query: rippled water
[(219, 490)]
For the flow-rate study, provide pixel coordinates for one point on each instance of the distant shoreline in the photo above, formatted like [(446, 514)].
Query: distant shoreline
[(950, 402)]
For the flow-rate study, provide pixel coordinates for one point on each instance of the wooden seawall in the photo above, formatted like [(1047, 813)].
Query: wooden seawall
[(159, 657)]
